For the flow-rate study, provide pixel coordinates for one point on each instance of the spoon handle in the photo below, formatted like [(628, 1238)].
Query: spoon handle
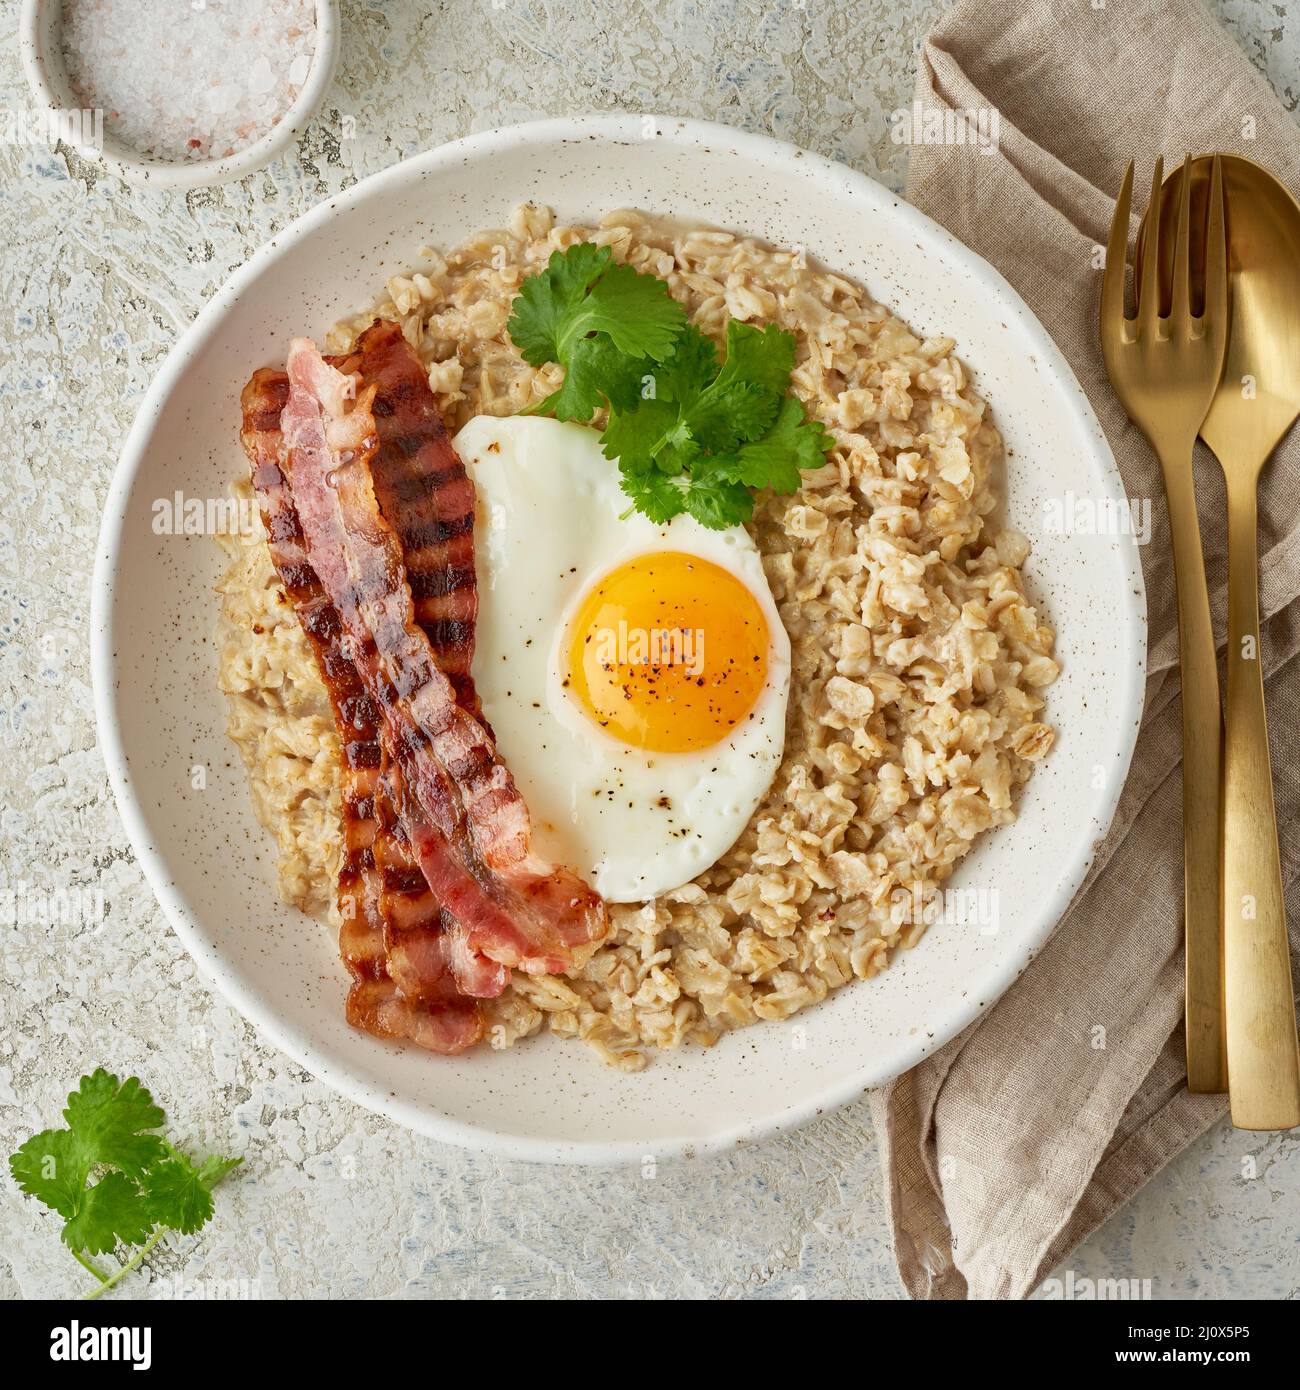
[(1207, 1069), (1259, 1003)]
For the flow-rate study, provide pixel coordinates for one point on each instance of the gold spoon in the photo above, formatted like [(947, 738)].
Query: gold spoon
[(1256, 404)]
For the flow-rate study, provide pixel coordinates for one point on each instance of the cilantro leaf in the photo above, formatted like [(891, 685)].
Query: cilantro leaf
[(179, 1195), (109, 1210), (541, 309), (605, 324), (743, 400), (653, 493), (714, 410), (777, 460), (651, 436), (726, 415), (108, 1119), (213, 1169), (726, 435), (596, 373), (582, 291), (692, 364), (142, 1185), (717, 503), (637, 312), (762, 357), (52, 1166)]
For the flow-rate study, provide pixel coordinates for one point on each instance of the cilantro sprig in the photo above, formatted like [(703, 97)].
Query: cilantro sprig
[(690, 434), (602, 321), (142, 1188)]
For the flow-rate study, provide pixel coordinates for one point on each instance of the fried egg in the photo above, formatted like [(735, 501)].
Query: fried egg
[(635, 675)]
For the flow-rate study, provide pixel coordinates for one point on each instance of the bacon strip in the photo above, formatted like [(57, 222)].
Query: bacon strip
[(427, 954), (426, 496), (465, 819), (418, 958), (376, 951)]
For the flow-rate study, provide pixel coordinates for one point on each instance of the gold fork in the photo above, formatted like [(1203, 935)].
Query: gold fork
[(1165, 370)]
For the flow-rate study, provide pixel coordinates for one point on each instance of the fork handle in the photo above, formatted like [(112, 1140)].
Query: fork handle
[(1207, 1068), (1263, 1058)]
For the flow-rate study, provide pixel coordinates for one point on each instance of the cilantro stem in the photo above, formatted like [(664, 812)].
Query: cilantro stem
[(123, 1270), (90, 1265), (542, 407), (107, 1281)]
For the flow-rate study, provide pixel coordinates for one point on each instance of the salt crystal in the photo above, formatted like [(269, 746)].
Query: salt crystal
[(193, 80), (261, 77), (222, 99)]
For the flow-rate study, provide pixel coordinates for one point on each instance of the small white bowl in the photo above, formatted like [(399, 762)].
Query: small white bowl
[(39, 35)]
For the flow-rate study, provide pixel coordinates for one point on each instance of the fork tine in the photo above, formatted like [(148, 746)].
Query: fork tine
[(1148, 304), (1216, 251), (1181, 309), (1112, 280)]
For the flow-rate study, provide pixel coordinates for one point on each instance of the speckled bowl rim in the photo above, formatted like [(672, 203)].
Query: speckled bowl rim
[(622, 131), (50, 90)]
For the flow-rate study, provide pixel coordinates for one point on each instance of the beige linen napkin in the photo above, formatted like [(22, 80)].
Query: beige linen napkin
[(1007, 1147)]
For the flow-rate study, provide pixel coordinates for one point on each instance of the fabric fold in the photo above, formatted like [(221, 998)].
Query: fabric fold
[(1007, 1147)]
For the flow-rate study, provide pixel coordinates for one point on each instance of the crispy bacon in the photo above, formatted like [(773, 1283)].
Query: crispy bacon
[(423, 486), (424, 943), (380, 999), (465, 819), (426, 496)]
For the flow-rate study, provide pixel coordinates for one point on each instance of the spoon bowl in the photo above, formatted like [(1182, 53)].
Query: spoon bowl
[(1259, 397)]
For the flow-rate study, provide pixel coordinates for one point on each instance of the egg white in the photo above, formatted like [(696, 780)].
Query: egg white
[(547, 528)]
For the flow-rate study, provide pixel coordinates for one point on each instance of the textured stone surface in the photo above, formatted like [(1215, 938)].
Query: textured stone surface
[(98, 280)]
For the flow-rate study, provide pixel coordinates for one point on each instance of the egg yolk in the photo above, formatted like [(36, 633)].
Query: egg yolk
[(668, 652)]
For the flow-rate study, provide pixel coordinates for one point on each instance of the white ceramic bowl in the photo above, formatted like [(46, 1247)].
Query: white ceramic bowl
[(39, 35), (159, 712)]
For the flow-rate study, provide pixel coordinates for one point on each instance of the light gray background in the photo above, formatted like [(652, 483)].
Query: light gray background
[(98, 281)]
